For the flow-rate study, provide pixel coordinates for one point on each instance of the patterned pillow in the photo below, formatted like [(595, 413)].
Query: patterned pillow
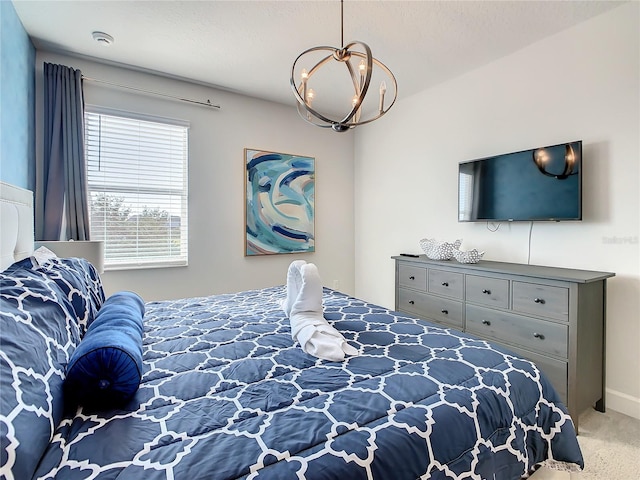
[(39, 333), (77, 278), (26, 264), (80, 281)]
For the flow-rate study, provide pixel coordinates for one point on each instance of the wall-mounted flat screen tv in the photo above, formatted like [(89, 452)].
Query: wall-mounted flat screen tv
[(531, 185)]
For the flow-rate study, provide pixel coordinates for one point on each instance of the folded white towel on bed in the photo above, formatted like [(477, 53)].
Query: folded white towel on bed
[(303, 306)]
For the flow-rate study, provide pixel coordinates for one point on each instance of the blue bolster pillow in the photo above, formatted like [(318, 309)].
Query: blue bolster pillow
[(123, 307), (106, 368)]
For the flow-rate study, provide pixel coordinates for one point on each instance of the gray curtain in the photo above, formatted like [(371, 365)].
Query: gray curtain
[(63, 190)]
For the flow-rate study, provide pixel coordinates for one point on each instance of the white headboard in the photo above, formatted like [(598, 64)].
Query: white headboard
[(16, 224)]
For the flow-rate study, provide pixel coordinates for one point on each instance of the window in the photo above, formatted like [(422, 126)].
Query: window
[(137, 176), (465, 195)]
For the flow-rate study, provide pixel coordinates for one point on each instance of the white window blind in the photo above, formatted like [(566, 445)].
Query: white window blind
[(137, 176), (465, 196)]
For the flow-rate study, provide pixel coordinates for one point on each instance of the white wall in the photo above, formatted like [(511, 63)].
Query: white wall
[(216, 183), (580, 84)]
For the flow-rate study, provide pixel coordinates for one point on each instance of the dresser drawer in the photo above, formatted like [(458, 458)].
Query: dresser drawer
[(487, 291), (438, 309), (555, 370), (412, 301), (536, 335), (412, 277), (445, 283), (544, 300)]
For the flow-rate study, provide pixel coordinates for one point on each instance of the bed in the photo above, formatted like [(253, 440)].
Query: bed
[(225, 392)]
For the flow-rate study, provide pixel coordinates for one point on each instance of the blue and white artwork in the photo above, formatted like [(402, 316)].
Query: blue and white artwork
[(279, 205)]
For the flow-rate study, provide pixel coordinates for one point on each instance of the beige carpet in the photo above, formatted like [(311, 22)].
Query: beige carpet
[(610, 444)]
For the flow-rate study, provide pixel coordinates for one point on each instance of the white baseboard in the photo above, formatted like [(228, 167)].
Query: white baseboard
[(623, 403)]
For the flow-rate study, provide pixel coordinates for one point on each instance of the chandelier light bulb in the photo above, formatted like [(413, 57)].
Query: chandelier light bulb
[(542, 156), (383, 90)]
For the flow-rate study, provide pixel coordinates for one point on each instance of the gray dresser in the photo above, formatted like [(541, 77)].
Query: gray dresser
[(552, 316)]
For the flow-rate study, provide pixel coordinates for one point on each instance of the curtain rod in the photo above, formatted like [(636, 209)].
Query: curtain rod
[(206, 104)]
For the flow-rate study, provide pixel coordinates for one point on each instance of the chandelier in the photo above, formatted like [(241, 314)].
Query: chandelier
[(543, 160), (341, 105)]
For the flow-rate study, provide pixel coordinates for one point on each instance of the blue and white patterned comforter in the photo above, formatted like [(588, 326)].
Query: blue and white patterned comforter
[(226, 394)]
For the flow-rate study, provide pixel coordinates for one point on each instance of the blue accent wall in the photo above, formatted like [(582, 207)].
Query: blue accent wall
[(17, 101)]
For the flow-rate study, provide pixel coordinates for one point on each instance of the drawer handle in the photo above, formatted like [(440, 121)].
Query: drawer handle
[(538, 335), (445, 284), (488, 292), (446, 312), (486, 322), (539, 300), (412, 277)]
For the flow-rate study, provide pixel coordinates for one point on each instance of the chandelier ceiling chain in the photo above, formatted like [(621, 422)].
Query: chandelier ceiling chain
[(341, 23), (360, 76)]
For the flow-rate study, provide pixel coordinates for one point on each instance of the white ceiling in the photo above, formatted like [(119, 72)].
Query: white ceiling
[(248, 47)]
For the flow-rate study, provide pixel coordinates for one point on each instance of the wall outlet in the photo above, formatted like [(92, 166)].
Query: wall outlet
[(336, 284)]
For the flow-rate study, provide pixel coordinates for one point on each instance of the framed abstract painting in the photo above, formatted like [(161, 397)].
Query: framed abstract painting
[(279, 203)]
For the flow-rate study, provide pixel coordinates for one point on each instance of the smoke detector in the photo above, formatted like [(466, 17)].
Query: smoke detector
[(102, 38)]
